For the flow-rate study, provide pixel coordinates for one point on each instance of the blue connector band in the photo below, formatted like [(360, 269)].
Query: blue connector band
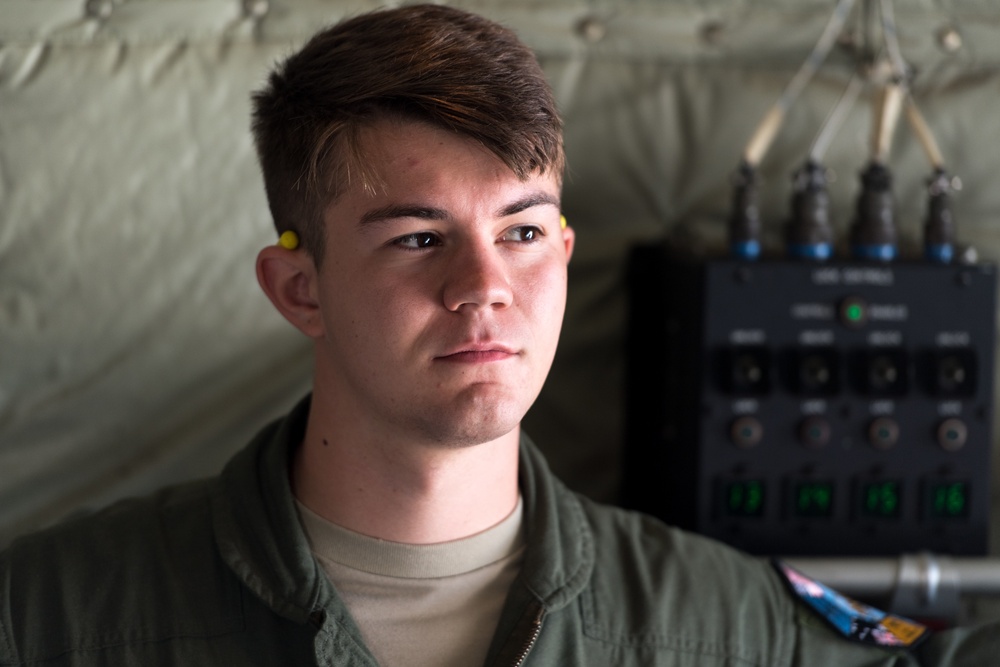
[(942, 253), (745, 249), (811, 251), (883, 252)]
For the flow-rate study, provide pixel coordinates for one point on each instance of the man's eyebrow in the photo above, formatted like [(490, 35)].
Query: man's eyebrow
[(528, 201), (393, 211)]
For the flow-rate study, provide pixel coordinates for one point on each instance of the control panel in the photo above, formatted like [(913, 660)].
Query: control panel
[(812, 408)]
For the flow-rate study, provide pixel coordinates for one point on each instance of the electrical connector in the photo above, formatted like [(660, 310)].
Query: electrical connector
[(808, 234), (873, 234), (744, 222), (939, 228)]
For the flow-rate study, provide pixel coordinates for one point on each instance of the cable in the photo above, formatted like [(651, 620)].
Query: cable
[(899, 67), (835, 120), (923, 132), (939, 226), (873, 236), (772, 121), (887, 113), (744, 223)]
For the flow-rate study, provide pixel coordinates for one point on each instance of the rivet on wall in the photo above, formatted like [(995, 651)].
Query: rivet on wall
[(949, 39), (592, 29)]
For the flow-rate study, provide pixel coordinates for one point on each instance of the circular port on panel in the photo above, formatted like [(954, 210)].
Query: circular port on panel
[(746, 432), (815, 373), (883, 373), (853, 312), (952, 434), (951, 373), (883, 433), (747, 370), (814, 432)]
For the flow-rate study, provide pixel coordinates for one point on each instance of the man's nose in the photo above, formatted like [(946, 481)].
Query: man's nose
[(477, 277)]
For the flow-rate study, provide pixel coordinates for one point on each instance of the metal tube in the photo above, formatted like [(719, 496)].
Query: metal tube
[(880, 577)]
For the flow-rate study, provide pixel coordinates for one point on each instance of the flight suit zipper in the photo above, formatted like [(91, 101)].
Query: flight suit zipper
[(536, 630)]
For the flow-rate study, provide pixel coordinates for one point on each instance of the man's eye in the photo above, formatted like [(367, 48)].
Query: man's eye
[(523, 234), (417, 241)]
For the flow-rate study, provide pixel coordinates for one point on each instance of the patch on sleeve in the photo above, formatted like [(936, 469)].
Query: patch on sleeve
[(854, 620)]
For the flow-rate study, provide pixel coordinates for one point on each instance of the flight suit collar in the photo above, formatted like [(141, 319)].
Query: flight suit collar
[(259, 536)]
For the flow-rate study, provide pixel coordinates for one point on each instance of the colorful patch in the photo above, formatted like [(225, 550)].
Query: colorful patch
[(854, 620)]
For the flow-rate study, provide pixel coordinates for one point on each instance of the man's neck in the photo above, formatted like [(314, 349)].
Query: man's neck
[(404, 491)]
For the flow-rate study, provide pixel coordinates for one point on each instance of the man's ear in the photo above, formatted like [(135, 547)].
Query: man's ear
[(569, 240), (288, 278)]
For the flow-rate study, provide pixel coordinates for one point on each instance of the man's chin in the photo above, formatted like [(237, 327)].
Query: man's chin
[(476, 425), (471, 435)]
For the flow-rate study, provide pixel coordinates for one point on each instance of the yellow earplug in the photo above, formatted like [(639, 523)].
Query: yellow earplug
[(288, 240), (562, 221)]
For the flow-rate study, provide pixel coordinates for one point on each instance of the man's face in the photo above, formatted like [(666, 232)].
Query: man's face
[(442, 295)]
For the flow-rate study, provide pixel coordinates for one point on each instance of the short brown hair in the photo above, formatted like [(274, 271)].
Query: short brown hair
[(432, 63)]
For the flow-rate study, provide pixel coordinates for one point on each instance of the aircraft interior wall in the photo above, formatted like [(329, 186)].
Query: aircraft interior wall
[(136, 348)]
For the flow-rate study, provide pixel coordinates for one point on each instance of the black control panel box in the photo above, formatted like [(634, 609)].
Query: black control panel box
[(796, 408)]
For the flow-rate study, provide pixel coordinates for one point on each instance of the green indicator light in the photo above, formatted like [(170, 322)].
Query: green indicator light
[(889, 500), (881, 499), (744, 498), (949, 500), (955, 503), (854, 312), (813, 499)]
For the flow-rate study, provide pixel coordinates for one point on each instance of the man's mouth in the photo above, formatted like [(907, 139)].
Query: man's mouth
[(479, 354)]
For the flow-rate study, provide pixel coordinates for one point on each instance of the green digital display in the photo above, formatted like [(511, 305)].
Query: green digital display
[(949, 500), (812, 499), (743, 497), (880, 499)]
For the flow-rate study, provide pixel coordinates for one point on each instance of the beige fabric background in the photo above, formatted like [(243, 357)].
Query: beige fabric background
[(135, 346)]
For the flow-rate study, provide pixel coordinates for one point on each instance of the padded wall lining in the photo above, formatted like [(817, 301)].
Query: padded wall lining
[(135, 346)]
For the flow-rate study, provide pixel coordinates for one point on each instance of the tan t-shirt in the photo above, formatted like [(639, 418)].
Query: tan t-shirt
[(433, 605)]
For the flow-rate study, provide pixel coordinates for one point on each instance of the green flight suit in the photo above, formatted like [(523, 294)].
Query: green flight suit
[(219, 572)]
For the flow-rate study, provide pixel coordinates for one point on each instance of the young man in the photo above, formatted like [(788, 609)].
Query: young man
[(398, 516)]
